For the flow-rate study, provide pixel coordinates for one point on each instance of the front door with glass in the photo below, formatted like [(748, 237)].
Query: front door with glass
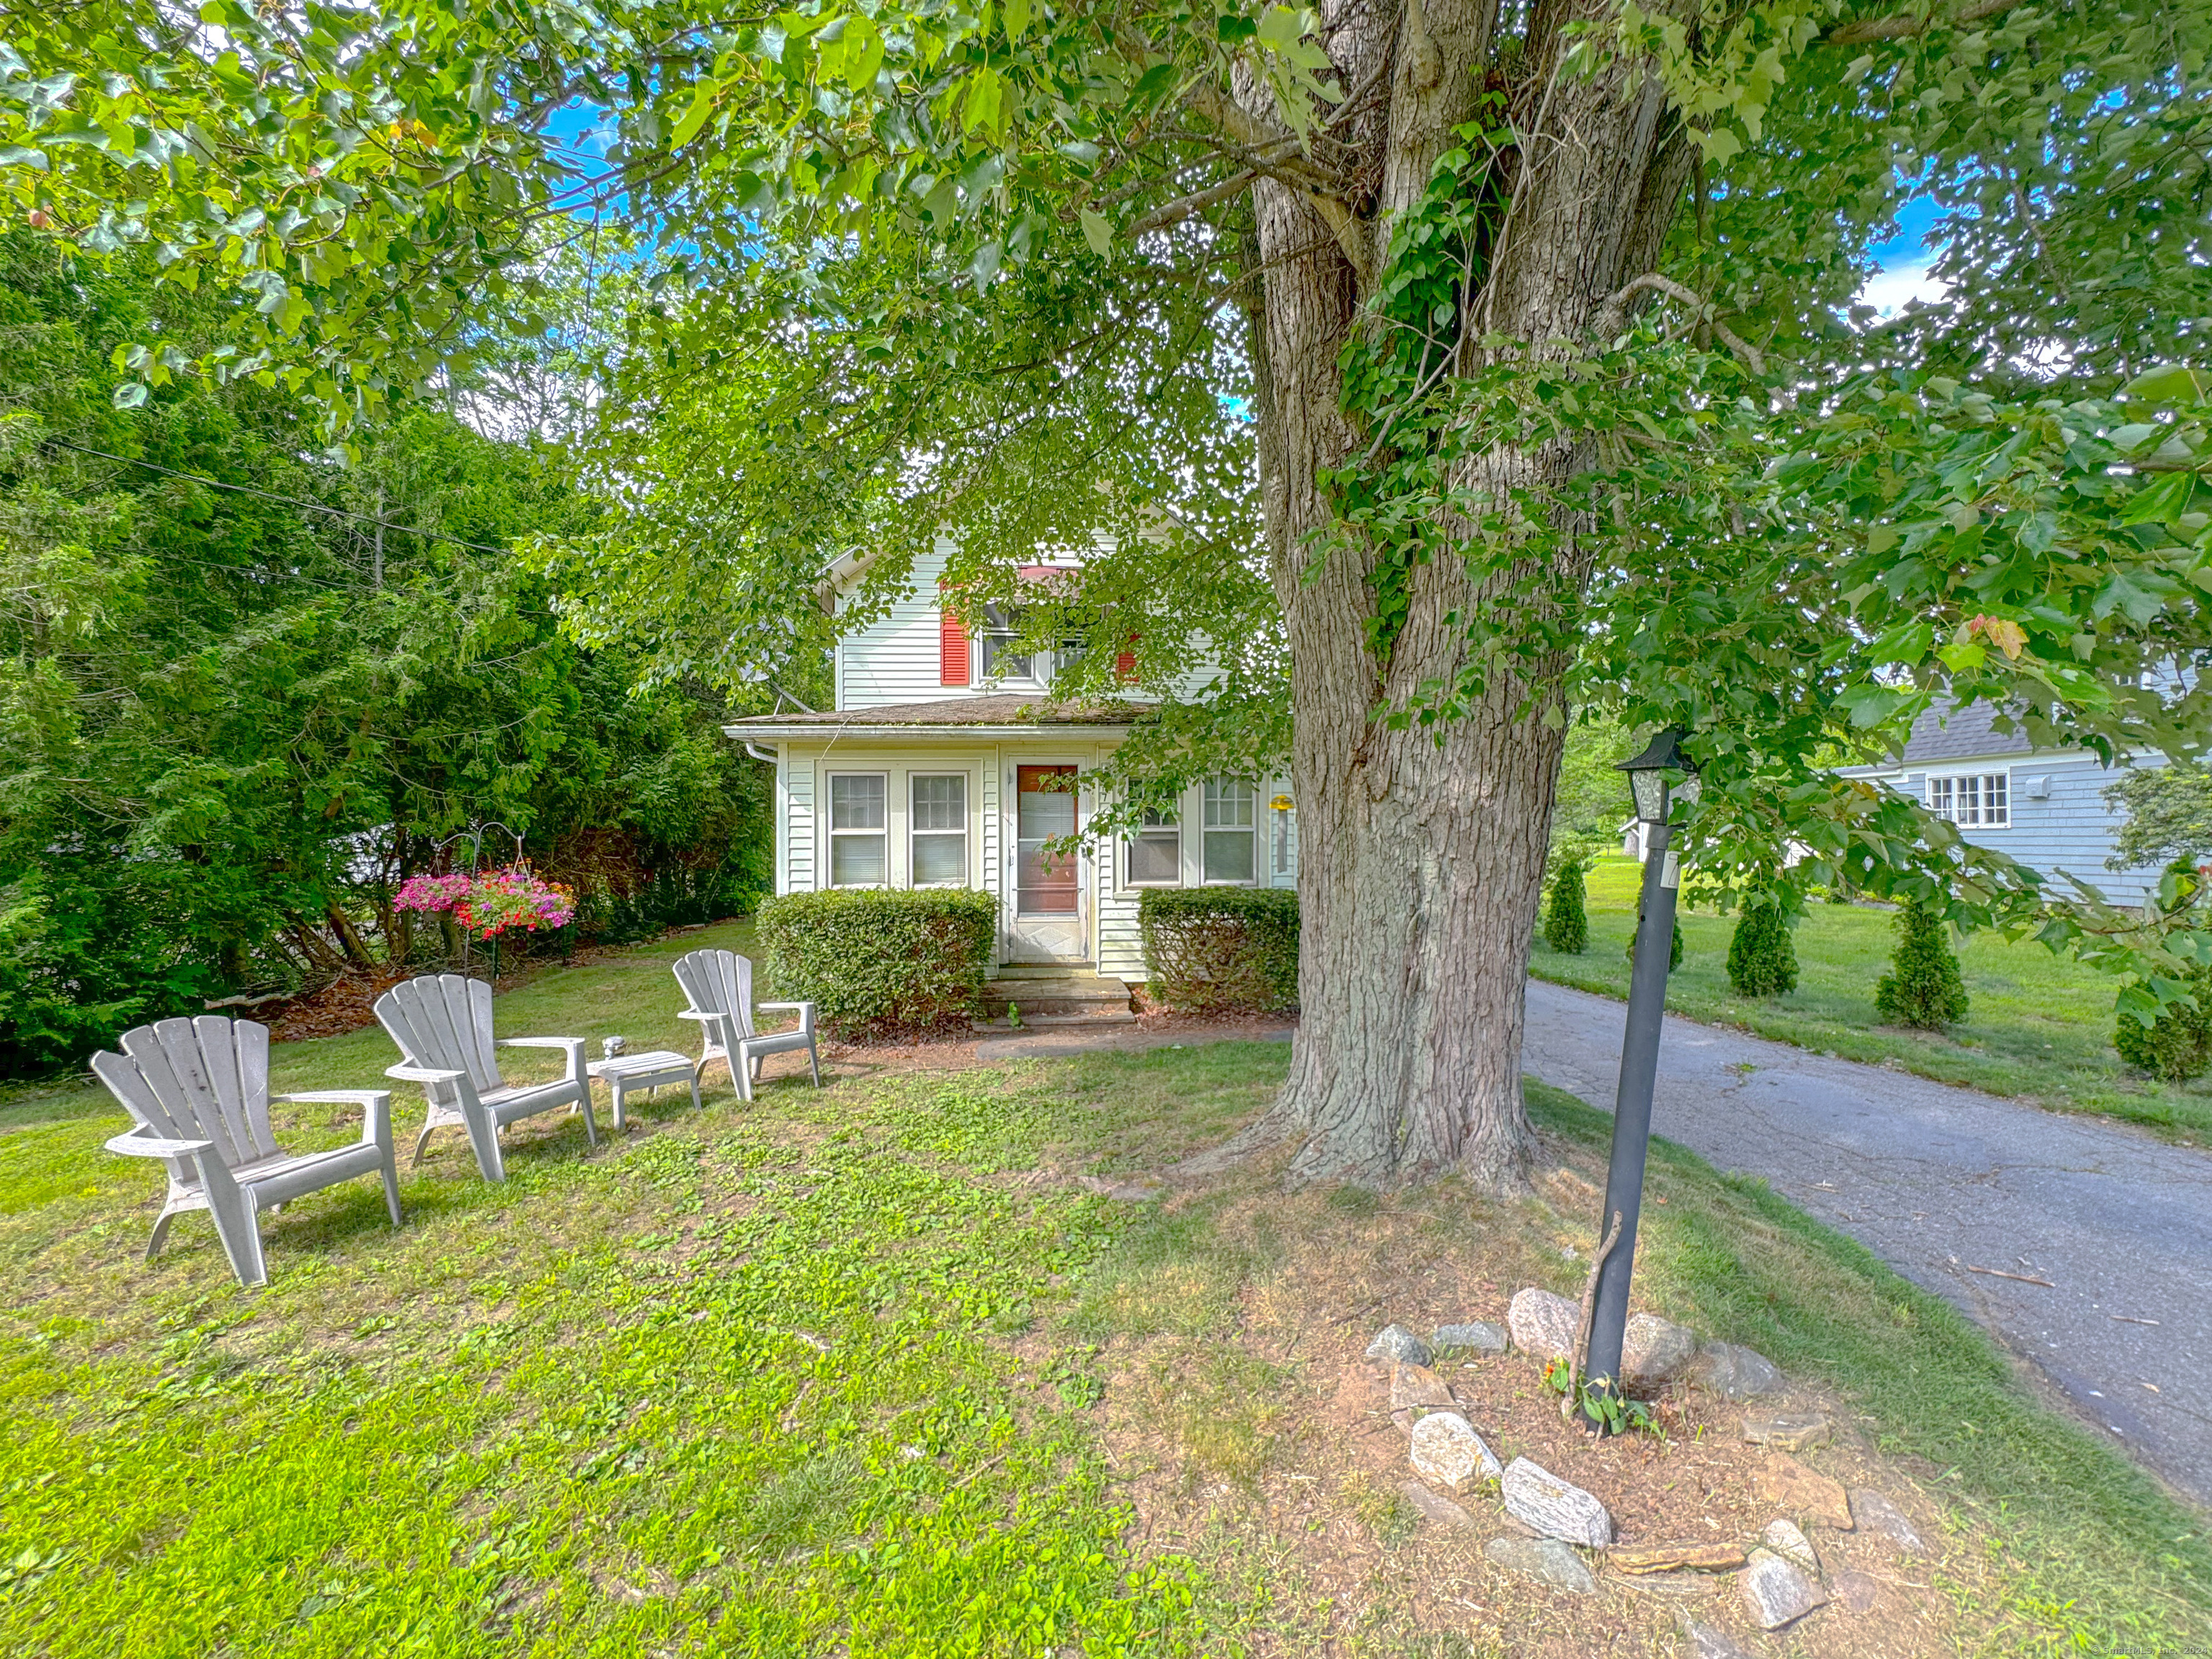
[(1048, 921)]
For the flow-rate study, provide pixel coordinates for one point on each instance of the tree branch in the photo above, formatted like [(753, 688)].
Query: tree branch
[(1906, 27), (1614, 316), (1182, 207)]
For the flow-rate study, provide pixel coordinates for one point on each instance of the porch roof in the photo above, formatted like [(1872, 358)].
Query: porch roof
[(1006, 714)]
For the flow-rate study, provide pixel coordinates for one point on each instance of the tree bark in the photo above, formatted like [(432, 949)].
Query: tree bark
[(1422, 849)]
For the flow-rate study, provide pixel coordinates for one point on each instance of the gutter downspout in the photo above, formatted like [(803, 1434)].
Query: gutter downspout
[(758, 753)]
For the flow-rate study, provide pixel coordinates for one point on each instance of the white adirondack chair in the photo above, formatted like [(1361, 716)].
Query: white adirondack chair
[(719, 987), (442, 1023), (198, 1091)]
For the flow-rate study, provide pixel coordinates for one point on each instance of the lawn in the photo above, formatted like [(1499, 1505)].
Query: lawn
[(872, 1371), (2039, 1026)]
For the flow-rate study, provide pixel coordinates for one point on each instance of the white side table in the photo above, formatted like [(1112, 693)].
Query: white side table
[(650, 1069)]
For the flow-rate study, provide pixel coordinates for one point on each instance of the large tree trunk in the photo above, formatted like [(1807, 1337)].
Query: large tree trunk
[(1422, 848)]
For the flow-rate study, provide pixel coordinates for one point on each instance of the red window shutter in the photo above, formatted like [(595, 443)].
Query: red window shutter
[(951, 649), (1125, 663)]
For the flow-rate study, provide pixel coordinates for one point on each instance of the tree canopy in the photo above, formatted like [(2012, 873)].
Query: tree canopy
[(1312, 312)]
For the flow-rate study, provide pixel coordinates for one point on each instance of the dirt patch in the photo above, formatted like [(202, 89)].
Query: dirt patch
[(1269, 1440)]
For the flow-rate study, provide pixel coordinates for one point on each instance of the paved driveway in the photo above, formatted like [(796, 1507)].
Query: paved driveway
[(1935, 1180)]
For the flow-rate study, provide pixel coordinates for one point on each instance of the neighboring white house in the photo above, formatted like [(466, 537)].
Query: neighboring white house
[(944, 764), (2045, 807)]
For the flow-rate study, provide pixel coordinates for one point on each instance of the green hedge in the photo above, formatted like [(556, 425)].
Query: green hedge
[(882, 964), (1222, 950)]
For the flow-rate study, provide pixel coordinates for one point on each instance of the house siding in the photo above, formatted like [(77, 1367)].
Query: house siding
[(2069, 831)]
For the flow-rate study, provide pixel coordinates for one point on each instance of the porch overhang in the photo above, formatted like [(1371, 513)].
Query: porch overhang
[(948, 720)]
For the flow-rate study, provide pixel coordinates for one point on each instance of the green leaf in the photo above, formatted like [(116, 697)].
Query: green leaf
[(131, 394), (702, 105), (2171, 384), (1097, 233)]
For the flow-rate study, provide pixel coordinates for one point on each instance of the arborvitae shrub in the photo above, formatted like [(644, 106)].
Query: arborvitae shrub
[(1566, 917), (1924, 989), (2177, 1045), (1762, 959)]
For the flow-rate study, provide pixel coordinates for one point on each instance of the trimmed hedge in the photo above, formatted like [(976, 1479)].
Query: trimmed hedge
[(1222, 950), (882, 964)]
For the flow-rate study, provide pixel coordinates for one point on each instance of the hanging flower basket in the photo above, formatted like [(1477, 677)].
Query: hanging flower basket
[(493, 902)]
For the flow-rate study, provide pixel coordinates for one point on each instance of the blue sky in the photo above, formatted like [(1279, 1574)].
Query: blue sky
[(1904, 261)]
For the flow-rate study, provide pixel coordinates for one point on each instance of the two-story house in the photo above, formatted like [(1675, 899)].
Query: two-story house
[(946, 763)]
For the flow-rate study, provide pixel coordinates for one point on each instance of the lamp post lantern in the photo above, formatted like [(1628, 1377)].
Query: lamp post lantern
[(1639, 1058)]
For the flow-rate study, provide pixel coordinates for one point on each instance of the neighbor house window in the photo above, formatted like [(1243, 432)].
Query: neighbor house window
[(1156, 851), (937, 830), (1227, 827), (1972, 799), (859, 834), (1000, 661)]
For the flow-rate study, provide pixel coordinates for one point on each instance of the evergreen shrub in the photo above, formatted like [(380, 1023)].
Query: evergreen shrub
[(878, 964), (1566, 915), (2177, 1045), (1222, 950), (1762, 958), (1924, 989)]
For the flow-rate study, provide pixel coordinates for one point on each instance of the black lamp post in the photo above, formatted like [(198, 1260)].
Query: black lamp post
[(1639, 1057)]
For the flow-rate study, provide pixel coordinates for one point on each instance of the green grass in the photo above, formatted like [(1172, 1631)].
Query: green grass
[(2039, 1026), (835, 1373)]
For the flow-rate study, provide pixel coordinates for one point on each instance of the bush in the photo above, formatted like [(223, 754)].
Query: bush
[(1566, 917), (2177, 1045), (882, 964), (1762, 958), (1674, 953), (1222, 950), (1924, 991)]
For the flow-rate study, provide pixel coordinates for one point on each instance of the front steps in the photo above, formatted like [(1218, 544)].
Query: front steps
[(1053, 996)]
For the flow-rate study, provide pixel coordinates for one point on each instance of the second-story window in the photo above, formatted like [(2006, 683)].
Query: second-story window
[(1972, 799), (1228, 826), (859, 830)]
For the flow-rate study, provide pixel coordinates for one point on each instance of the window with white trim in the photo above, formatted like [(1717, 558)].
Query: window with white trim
[(1972, 800), (1155, 851), (937, 829), (1228, 826), (859, 831)]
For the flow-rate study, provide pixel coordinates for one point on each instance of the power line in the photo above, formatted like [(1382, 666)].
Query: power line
[(284, 501)]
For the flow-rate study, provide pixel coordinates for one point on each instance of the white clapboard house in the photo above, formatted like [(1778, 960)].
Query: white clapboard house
[(946, 763), (2045, 808)]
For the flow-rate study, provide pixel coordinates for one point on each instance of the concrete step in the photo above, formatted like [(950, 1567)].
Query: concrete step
[(1057, 997), (1044, 970)]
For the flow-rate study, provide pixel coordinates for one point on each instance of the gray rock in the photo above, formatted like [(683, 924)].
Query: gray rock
[(1706, 1643), (1448, 1451), (1775, 1592), (1476, 1336), (1655, 1352), (1787, 1540), (1543, 1324), (1737, 1373), (1396, 1342), (1554, 1507), (1434, 1506), (1875, 1513), (1545, 1558)]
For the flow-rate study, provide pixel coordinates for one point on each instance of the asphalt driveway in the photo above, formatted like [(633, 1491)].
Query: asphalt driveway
[(1938, 1181)]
